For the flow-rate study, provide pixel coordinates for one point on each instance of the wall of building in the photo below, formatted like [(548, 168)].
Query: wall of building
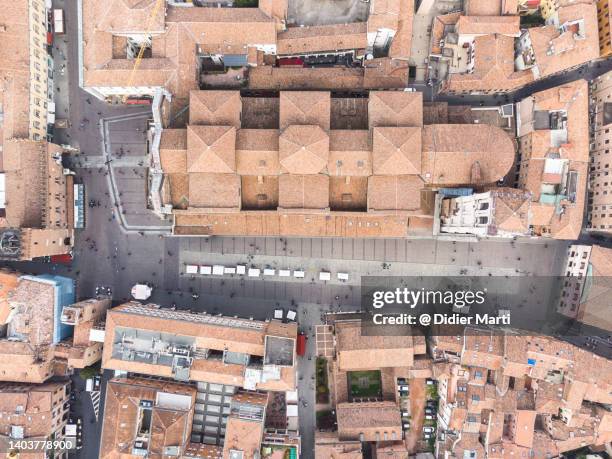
[(603, 19), (575, 275), (600, 168), (39, 69)]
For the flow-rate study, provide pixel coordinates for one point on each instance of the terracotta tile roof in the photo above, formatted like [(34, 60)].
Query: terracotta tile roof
[(349, 153), (335, 224), (257, 152), (302, 108), (211, 149), (483, 7), (358, 352), (214, 30), (524, 428), (243, 435), (169, 426), (298, 40), (348, 193), (395, 108), (32, 407), (563, 220), (556, 50), (303, 191), (26, 182), (303, 149), (217, 108), (394, 192), (601, 261), (375, 421), (328, 446), (130, 16), (456, 154), (440, 26), (512, 210), (173, 150), (214, 190), (396, 150), (485, 25), (493, 67)]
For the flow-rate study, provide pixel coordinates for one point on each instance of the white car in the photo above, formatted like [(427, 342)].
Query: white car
[(279, 314), (429, 429), (429, 417)]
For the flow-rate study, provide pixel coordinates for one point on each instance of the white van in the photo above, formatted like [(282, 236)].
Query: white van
[(343, 276), (241, 269), (324, 276), (254, 272), (229, 270), (298, 273), (191, 269), (218, 270), (278, 314), (206, 270), (291, 314), (269, 272)]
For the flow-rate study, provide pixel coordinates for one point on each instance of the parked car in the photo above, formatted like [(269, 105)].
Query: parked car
[(430, 417), (429, 410), (96, 382), (430, 382), (406, 425), (429, 429), (427, 436)]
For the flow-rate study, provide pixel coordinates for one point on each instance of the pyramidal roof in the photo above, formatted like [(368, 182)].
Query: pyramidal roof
[(303, 149), (397, 150), (215, 108), (211, 149)]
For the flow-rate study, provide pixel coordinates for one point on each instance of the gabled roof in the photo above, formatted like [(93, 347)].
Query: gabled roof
[(396, 150), (296, 40), (215, 108), (214, 190), (123, 16), (257, 152), (211, 149), (173, 151), (303, 191), (395, 108), (463, 154), (485, 25), (394, 192), (303, 149), (376, 421), (301, 107), (349, 153)]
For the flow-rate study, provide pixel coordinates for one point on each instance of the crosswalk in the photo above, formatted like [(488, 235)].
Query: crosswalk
[(95, 400)]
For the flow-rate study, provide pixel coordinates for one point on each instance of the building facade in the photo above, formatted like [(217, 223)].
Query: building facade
[(599, 218), (603, 19)]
